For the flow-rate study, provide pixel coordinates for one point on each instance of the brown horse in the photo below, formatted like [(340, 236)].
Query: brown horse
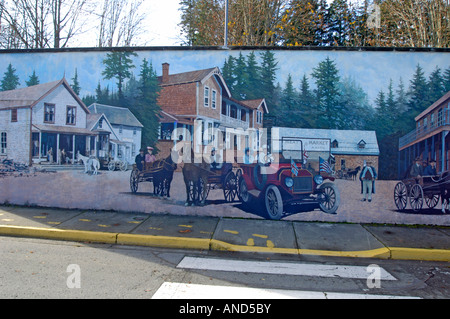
[(162, 178), (194, 175)]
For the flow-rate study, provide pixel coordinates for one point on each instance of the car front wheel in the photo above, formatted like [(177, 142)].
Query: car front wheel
[(273, 203), (329, 198)]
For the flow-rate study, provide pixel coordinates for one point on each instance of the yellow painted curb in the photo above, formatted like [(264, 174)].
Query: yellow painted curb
[(163, 241), (61, 234), (383, 253), (223, 246), (420, 254), (399, 253)]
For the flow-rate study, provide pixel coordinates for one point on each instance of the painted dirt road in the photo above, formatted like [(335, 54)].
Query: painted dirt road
[(111, 191)]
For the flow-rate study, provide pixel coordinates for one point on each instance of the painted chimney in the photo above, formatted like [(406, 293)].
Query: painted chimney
[(165, 72)]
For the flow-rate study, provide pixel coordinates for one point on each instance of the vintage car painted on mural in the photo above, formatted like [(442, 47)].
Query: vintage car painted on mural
[(289, 184)]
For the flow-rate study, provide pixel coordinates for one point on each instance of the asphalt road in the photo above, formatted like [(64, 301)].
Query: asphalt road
[(33, 268)]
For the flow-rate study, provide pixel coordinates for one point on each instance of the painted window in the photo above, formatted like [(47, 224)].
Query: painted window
[(71, 115), (213, 100), (206, 96), (259, 117), (244, 115), (49, 113), (3, 143), (14, 115)]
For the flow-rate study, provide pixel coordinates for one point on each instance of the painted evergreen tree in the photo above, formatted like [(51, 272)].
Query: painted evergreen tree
[(118, 65), (306, 105), (327, 78), (446, 80), (10, 79), (75, 83), (435, 86), (32, 79), (418, 93), (269, 67), (147, 109)]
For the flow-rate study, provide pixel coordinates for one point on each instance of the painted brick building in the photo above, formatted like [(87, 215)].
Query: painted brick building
[(430, 139), (203, 97)]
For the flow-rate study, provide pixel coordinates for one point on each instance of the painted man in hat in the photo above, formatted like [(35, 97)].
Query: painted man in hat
[(416, 169), (430, 170), (140, 160), (367, 177)]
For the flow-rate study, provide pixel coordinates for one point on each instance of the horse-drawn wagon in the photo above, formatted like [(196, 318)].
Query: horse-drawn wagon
[(201, 178), (160, 173), (417, 190)]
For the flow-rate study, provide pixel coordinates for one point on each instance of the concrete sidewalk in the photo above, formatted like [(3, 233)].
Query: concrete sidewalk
[(228, 234)]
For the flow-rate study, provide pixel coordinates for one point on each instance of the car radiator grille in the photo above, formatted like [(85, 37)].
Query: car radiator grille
[(302, 184)]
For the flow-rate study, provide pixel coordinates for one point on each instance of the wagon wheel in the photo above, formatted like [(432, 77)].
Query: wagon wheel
[(400, 195), (123, 166), (134, 180), (229, 187), (111, 165), (432, 200), (200, 187), (238, 178), (416, 197), (191, 192)]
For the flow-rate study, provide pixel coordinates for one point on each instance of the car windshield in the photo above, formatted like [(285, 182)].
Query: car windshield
[(291, 148)]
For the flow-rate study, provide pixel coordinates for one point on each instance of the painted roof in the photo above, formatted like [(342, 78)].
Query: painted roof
[(433, 106), (116, 115), (347, 140), (30, 96), (187, 77)]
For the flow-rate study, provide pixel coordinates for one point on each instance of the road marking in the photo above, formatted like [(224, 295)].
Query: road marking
[(261, 236), (186, 226), (279, 268), (84, 220), (173, 290), (250, 242), (231, 232)]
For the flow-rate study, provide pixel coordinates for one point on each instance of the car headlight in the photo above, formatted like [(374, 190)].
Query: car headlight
[(318, 179), (289, 182)]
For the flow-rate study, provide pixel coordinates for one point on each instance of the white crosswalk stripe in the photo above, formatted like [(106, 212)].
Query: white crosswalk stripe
[(280, 268), (171, 290)]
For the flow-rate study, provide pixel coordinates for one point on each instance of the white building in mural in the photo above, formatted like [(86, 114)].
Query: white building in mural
[(38, 122), (126, 130), (49, 123)]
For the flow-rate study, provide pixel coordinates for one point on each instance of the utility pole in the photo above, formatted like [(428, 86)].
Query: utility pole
[(225, 41)]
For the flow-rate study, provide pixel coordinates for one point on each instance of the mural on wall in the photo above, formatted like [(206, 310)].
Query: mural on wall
[(311, 135)]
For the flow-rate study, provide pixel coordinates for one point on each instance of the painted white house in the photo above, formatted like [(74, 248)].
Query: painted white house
[(125, 129), (40, 121)]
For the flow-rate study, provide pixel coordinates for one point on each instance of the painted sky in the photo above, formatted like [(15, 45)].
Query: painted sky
[(371, 70)]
